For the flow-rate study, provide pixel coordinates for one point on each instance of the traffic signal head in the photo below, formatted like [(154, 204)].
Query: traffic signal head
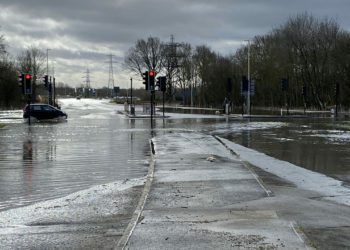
[(152, 75), (229, 85), (46, 81), (245, 84), (21, 82), (336, 89), (27, 84), (284, 84), (158, 81), (162, 85), (304, 91), (145, 78)]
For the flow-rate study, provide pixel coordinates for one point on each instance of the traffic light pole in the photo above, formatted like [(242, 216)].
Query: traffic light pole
[(29, 98), (163, 103), (26, 80), (152, 104), (50, 91)]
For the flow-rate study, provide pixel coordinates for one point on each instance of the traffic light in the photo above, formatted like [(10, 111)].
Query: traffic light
[(229, 85), (116, 90), (46, 81), (158, 81), (336, 88), (304, 90), (27, 84), (152, 75), (162, 85), (145, 78), (244, 84), (284, 84), (21, 82)]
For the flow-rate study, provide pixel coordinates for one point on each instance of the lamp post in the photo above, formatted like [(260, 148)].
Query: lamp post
[(47, 61), (248, 95)]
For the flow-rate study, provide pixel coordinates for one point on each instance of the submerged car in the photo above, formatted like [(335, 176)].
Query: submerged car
[(43, 112)]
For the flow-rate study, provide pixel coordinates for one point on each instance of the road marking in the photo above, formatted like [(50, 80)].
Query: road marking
[(257, 178), (300, 235)]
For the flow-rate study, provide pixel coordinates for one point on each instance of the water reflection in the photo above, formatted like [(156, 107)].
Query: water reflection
[(49, 160), (132, 126), (97, 146), (246, 138), (28, 165), (321, 145), (27, 152)]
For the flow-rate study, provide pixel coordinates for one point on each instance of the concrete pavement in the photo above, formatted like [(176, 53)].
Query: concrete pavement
[(197, 199)]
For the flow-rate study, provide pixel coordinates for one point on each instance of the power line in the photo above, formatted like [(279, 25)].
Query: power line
[(111, 73), (173, 54), (87, 78)]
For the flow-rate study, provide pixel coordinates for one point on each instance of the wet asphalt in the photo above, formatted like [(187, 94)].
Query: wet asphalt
[(198, 195), (202, 198), (197, 201)]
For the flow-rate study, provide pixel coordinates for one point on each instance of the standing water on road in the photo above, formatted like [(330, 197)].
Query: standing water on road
[(319, 144), (96, 146), (49, 160)]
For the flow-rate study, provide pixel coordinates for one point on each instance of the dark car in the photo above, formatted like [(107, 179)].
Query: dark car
[(43, 112)]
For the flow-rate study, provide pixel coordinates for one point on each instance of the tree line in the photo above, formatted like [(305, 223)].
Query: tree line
[(30, 60), (312, 54)]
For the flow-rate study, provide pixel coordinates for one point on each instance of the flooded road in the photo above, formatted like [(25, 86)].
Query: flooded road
[(49, 160), (97, 146), (320, 144)]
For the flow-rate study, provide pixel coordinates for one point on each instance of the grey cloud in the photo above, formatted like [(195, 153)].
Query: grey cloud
[(115, 25)]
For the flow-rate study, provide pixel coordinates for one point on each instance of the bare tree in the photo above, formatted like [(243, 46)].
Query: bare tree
[(145, 55), (185, 72), (32, 61), (312, 42), (2, 45), (204, 59)]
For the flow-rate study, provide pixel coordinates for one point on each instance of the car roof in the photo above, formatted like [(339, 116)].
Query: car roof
[(40, 104)]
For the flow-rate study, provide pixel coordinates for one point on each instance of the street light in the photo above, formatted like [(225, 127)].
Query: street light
[(47, 61), (248, 96)]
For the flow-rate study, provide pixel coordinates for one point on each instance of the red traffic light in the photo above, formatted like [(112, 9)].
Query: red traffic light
[(151, 73), (28, 76)]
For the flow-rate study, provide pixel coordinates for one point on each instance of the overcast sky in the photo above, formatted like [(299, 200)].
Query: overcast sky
[(80, 33)]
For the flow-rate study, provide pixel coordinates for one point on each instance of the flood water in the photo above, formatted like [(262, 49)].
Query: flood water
[(319, 144), (97, 145), (48, 160)]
